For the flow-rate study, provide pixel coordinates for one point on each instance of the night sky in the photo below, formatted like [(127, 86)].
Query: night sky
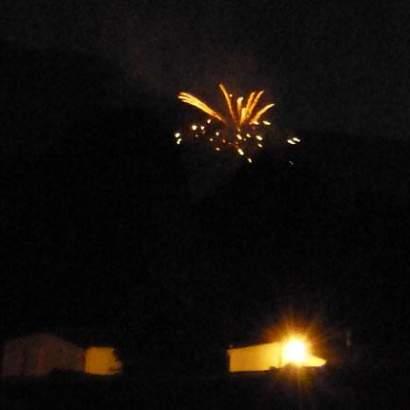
[(108, 225), (331, 67)]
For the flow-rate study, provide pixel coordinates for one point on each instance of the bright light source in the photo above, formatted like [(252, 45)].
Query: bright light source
[(262, 357), (242, 116), (295, 351)]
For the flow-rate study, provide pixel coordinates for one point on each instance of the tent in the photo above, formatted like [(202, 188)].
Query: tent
[(38, 355)]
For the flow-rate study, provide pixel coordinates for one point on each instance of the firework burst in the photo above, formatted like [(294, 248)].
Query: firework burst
[(240, 129)]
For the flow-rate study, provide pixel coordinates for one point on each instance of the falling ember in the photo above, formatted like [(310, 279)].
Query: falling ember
[(293, 141), (238, 127)]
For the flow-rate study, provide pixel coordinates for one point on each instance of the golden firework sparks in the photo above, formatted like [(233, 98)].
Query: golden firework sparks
[(239, 128)]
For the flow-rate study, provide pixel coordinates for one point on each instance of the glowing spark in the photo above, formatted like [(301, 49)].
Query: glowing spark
[(177, 134), (293, 140), (242, 114), (255, 119), (240, 118), (192, 100), (252, 101), (228, 102)]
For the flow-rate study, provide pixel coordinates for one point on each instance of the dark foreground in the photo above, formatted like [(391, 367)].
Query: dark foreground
[(324, 389)]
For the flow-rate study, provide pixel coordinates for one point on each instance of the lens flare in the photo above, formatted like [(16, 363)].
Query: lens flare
[(295, 351), (239, 129)]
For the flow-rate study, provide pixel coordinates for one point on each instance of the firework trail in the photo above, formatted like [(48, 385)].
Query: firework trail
[(240, 129)]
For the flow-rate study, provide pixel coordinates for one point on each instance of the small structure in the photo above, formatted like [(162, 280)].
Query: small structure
[(41, 353), (263, 357), (38, 355), (102, 361)]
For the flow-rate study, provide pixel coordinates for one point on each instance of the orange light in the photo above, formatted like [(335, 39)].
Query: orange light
[(102, 361), (241, 117), (295, 351)]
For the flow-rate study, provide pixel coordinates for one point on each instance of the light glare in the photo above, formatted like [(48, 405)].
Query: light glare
[(295, 351)]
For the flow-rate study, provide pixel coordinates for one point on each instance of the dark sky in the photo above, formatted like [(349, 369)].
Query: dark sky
[(330, 67), (97, 218)]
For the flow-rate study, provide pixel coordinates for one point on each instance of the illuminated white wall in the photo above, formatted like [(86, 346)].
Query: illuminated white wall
[(263, 357)]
